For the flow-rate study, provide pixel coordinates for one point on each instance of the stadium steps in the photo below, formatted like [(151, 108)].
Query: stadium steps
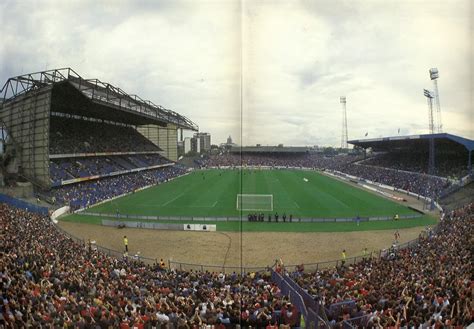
[(124, 162)]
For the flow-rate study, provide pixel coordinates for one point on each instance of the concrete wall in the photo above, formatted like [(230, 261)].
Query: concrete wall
[(165, 138), (27, 121)]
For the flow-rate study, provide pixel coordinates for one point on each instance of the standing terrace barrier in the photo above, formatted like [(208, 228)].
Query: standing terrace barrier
[(337, 308), (358, 322), (214, 268), (305, 304)]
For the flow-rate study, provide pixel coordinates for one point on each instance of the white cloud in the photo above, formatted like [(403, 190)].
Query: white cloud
[(297, 57)]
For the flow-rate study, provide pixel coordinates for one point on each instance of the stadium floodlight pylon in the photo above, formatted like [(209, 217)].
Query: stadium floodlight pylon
[(344, 137), (429, 97), (254, 202), (434, 75), (431, 160)]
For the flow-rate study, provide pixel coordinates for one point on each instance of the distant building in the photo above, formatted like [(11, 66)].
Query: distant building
[(187, 145), (180, 148), (196, 144), (229, 144), (204, 141), (200, 142)]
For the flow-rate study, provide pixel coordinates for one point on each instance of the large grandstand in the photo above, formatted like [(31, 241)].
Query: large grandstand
[(65, 130), (90, 148), (442, 154)]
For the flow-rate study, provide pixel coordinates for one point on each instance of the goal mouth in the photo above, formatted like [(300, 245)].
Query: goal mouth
[(254, 202)]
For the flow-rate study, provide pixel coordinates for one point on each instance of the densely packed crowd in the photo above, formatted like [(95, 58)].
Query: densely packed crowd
[(452, 165), (305, 160), (50, 281), (70, 168), (430, 186), (235, 159), (428, 285), (68, 136), (84, 194)]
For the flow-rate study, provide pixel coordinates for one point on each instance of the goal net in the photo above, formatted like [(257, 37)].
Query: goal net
[(255, 202)]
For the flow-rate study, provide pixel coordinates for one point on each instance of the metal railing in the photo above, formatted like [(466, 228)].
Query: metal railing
[(300, 298), (238, 219), (215, 268), (358, 322)]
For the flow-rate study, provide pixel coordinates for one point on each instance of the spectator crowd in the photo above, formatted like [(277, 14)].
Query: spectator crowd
[(84, 194), (428, 285), (51, 281), (70, 168), (447, 165), (74, 136), (429, 186)]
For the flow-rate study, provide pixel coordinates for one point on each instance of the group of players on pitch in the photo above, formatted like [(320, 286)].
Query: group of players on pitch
[(256, 217)]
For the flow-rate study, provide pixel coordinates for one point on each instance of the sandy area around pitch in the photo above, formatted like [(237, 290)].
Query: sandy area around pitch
[(239, 249)]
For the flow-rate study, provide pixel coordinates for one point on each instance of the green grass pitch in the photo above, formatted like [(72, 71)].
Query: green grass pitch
[(213, 193)]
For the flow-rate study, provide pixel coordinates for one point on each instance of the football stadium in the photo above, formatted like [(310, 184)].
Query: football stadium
[(117, 212), (108, 164)]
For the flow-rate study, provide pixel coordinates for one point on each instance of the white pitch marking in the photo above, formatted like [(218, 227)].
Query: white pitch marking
[(214, 204), (296, 205), (179, 196)]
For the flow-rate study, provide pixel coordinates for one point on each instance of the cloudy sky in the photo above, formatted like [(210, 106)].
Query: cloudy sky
[(264, 72)]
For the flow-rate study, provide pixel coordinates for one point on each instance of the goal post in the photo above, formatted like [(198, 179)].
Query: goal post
[(254, 202)]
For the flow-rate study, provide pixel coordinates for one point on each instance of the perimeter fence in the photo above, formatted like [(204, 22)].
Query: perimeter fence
[(242, 218)]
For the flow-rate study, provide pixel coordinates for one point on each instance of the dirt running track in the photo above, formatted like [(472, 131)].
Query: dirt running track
[(236, 249)]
